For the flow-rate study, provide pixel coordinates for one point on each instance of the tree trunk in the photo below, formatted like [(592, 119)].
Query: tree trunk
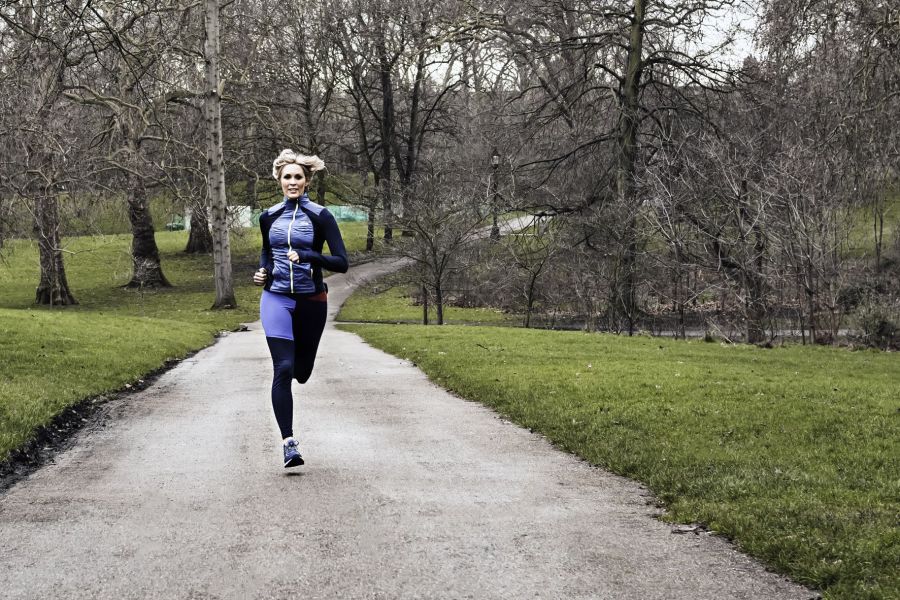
[(251, 199), (878, 211), (321, 189), (413, 140), (529, 303), (47, 74), (495, 227), (439, 301), (146, 266), (199, 239), (53, 288), (624, 298), (757, 310), (424, 305), (387, 132), (215, 168), (370, 228), (363, 186)]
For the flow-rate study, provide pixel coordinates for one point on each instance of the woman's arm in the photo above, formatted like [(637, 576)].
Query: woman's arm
[(266, 258), (337, 262)]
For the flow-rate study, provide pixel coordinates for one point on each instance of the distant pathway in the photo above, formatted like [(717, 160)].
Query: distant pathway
[(409, 492)]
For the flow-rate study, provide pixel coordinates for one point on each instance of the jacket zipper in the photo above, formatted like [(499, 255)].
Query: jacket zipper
[(290, 262)]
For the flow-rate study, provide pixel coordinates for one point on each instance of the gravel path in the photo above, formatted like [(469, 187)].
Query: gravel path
[(408, 492)]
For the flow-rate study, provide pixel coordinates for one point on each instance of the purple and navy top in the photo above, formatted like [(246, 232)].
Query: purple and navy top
[(303, 226)]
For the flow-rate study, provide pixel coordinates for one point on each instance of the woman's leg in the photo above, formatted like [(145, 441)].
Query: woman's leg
[(276, 312), (282, 400), (309, 321)]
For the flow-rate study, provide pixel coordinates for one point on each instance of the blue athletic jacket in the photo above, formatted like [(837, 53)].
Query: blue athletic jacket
[(303, 226)]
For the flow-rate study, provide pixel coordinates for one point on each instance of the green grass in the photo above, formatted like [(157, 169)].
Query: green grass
[(794, 452), (385, 303), (54, 358), (354, 234), (862, 234)]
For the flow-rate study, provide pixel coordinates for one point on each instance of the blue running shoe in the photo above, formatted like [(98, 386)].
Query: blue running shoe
[(292, 456)]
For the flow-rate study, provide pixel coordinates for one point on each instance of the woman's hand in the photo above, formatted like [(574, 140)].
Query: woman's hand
[(297, 257), (259, 278)]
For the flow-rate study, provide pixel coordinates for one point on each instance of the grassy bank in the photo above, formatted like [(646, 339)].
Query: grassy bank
[(792, 452), (53, 358)]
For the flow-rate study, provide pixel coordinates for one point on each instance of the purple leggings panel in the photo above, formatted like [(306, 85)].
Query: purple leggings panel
[(276, 311), (293, 330)]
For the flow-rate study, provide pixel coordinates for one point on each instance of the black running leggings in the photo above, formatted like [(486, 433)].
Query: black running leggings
[(302, 320)]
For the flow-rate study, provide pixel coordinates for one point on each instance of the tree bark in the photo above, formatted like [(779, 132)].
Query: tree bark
[(215, 168), (53, 288), (199, 239), (439, 301), (146, 267)]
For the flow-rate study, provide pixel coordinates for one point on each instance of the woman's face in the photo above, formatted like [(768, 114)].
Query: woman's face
[(293, 181)]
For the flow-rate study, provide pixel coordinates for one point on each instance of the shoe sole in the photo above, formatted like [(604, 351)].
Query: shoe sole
[(294, 462)]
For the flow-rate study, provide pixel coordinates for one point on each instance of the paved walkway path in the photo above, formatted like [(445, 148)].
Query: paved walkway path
[(409, 492)]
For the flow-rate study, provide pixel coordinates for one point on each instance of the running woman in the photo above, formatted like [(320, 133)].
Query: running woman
[(294, 300)]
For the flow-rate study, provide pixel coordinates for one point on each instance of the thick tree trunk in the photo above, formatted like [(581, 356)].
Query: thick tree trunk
[(146, 266), (53, 288), (215, 167), (199, 239)]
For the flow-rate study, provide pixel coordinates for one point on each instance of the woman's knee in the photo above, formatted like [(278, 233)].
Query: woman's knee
[(284, 369)]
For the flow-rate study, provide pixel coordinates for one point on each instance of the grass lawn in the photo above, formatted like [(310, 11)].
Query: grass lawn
[(384, 303), (793, 452), (53, 358)]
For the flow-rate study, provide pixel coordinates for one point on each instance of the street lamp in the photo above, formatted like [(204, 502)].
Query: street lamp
[(495, 164)]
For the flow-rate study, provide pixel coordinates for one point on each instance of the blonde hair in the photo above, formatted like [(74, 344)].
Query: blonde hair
[(310, 164)]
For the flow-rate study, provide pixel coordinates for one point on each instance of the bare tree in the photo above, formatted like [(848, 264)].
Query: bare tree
[(40, 48), (443, 220), (215, 165), (532, 250)]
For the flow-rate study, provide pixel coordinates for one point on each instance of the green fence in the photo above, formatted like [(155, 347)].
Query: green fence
[(347, 213)]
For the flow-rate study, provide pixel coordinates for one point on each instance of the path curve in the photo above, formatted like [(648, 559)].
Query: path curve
[(409, 492)]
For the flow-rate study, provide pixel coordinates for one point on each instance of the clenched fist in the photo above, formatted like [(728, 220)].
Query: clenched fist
[(259, 278)]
